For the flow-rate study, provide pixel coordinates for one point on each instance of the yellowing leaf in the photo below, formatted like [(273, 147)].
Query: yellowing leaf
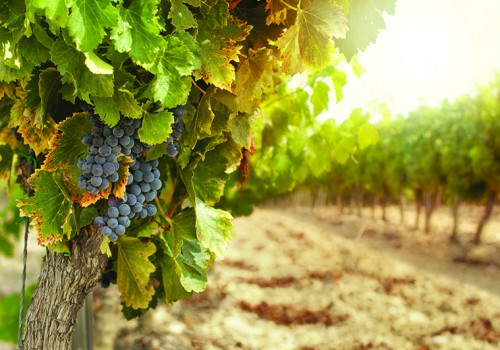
[(36, 135), (277, 12), (104, 247), (213, 227), (307, 43), (123, 173), (219, 47), (134, 269), (253, 75), (65, 147), (65, 150)]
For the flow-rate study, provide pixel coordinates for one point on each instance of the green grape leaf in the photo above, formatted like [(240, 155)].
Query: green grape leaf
[(156, 152), (213, 227), (88, 21), (212, 116), (344, 148), (240, 130), (122, 101), (49, 207), (176, 60), (87, 216), (185, 266), (71, 64), (193, 262), (122, 35), (200, 122), (219, 47), (206, 175), (183, 224), (42, 36), (339, 80), (277, 12), (56, 13), (138, 32), (215, 12), (33, 50), (319, 97), (156, 127), (223, 105), (171, 275), (367, 135), (180, 15), (134, 270), (48, 87), (307, 43), (254, 74)]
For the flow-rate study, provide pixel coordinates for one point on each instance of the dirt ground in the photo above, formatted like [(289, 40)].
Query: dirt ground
[(304, 279), (307, 279)]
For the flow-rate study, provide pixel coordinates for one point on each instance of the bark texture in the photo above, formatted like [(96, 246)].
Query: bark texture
[(62, 287)]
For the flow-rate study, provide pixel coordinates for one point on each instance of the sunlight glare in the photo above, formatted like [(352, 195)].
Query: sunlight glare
[(431, 51)]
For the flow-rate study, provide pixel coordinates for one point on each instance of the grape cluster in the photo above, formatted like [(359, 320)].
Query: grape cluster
[(106, 148), (105, 145), (177, 131), (143, 185), (109, 275)]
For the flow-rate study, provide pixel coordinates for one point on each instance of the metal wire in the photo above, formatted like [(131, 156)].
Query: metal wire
[(23, 287), (30, 159)]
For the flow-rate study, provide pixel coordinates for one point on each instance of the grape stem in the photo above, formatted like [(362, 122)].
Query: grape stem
[(199, 88), (160, 209)]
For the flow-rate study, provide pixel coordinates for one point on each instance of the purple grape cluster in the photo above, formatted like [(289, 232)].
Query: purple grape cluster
[(105, 146), (177, 131), (142, 188)]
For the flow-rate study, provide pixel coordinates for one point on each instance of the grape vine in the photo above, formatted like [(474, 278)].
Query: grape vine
[(168, 91)]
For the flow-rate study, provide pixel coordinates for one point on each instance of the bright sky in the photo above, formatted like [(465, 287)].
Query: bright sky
[(431, 50)]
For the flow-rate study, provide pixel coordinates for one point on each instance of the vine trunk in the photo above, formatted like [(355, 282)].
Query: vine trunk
[(63, 284)]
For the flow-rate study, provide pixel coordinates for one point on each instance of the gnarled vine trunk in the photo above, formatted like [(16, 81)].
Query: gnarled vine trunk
[(63, 284)]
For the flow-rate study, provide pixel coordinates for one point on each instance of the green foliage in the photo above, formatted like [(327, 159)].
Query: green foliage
[(10, 228), (220, 60), (9, 314)]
